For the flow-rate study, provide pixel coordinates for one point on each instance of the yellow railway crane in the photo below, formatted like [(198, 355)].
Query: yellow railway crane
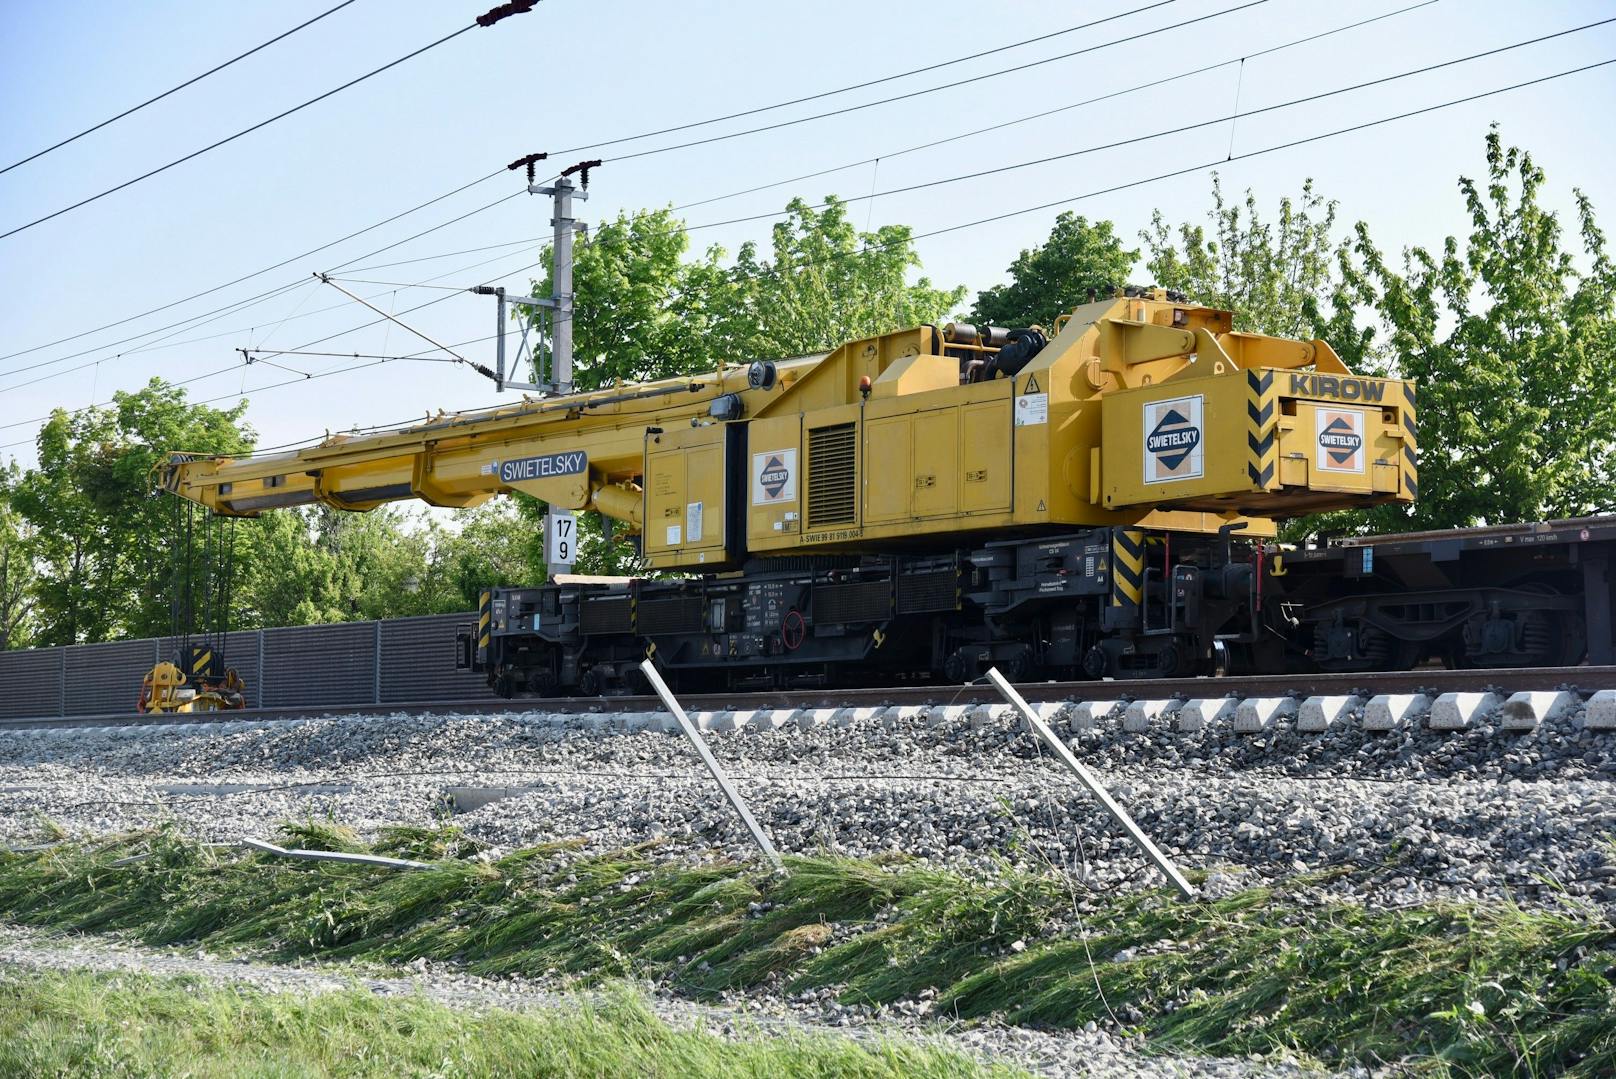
[(918, 504)]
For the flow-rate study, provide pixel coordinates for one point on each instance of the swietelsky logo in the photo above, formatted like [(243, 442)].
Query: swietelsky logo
[(774, 477), (1173, 440), (1340, 434)]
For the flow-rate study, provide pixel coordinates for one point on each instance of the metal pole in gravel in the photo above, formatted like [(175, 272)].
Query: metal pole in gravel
[(695, 737), (1118, 814)]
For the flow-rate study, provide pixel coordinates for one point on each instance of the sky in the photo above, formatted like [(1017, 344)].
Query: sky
[(571, 75)]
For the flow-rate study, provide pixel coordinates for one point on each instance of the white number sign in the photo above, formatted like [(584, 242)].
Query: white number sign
[(560, 540)]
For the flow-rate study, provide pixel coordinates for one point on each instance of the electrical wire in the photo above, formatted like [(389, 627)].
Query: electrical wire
[(192, 322), (238, 366), (1130, 141), (232, 138), (1179, 130), (264, 123), (500, 172), (1092, 48), (174, 90), (1046, 113), (1212, 164), (1158, 82), (1001, 72), (339, 306), (1193, 168), (244, 277), (867, 84), (422, 355)]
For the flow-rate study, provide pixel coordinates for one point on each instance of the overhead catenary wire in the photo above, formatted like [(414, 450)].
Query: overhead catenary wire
[(312, 312), (1142, 138), (1065, 201), (1045, 113), (922, 146), (444, 40), (1178, 130), (673, 129), (176, 89), (614, 141), (268, 294), (234, 367), (1237, 157), (1202, 166), (245, 277), (955, 84)]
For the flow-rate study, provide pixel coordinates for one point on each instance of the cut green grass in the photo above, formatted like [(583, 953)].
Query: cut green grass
[(1449, 987), (128, 1025)]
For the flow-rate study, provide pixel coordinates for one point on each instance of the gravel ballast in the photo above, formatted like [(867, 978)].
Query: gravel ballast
[(1477, 814)]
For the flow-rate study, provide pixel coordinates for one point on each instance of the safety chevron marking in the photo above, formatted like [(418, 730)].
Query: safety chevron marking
[(484, 616), (1262, 444), (1127, 567), (1411, 448)]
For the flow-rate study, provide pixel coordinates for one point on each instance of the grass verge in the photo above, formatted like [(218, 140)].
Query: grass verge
[(129, 1025), (1447, 987)]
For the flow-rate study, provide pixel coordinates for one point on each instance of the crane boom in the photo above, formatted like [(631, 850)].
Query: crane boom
[(1143, 410)]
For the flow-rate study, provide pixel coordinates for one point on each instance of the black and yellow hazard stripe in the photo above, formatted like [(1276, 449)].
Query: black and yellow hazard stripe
[(1411, 445), (1262, 441), (201, 660), (485, 616), (1127, 567)]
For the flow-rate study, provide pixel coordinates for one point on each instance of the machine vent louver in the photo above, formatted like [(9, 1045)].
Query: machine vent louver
[(832, 476)]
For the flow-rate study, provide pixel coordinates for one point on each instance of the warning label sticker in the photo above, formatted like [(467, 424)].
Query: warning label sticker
[(774, 477), (1340, 434), (1173, 449), (1032, 408)]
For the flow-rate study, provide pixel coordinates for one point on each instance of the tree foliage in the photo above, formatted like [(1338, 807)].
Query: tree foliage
[(1272, 275), (824, 283), (100, 540), (643, 311), (18, 579), (1511, 337), (1079, 257)]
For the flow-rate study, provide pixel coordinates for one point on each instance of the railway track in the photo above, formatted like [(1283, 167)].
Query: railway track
[(1502, 681)]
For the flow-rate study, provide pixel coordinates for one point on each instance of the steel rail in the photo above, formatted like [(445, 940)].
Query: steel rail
[(1366, 683)]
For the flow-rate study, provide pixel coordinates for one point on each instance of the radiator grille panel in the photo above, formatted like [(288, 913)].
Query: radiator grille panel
[(927, 591), (680, 615), (612, 615), (870, 601), (832, 475)]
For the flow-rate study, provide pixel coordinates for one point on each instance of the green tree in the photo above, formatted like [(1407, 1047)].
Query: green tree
[(17, 577), (824, 283), (1274, 276), (103, 544), (643, 311), (1079, 257), (291, 580), (488, 548), (320, 564), (632, 306), (1513, 346)]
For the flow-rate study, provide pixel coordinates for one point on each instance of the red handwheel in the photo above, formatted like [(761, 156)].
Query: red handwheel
[(793, 630)]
